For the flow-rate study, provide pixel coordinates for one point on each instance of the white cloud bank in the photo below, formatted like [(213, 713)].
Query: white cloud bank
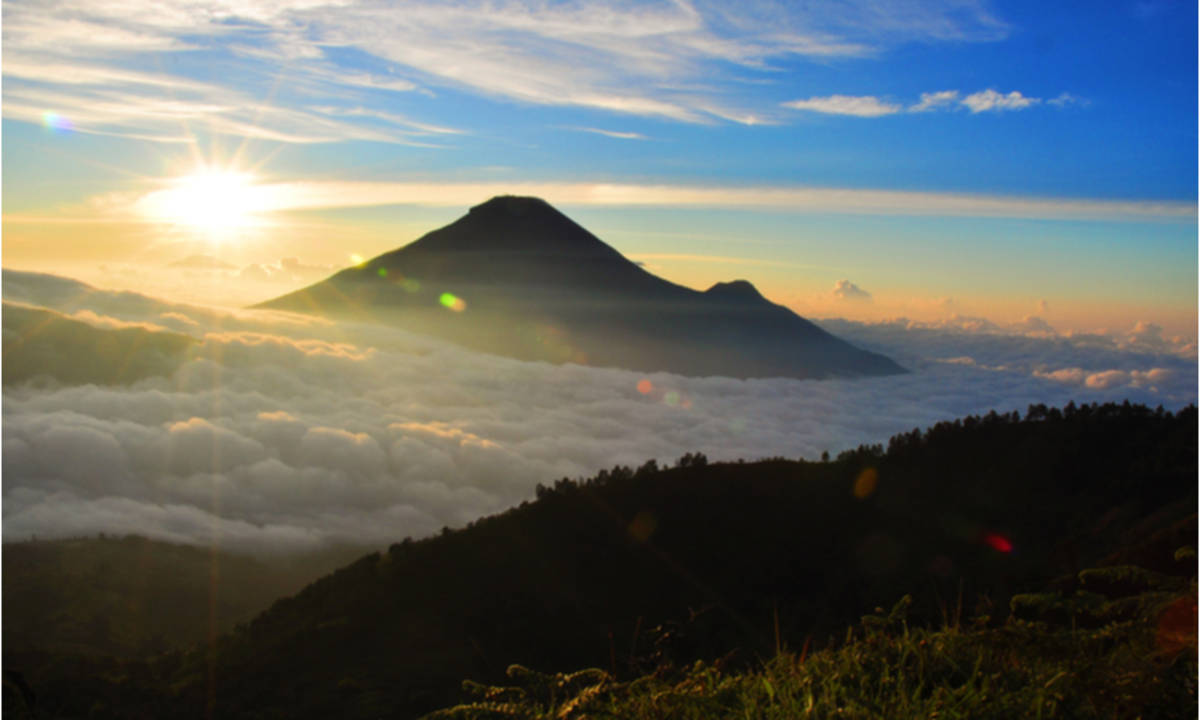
[(285, 433)]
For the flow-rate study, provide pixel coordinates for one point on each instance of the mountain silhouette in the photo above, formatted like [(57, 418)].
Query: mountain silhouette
[(516, 277)]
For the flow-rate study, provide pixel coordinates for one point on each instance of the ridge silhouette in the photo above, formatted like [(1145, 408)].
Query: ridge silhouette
[(741, 290), (516, 277)]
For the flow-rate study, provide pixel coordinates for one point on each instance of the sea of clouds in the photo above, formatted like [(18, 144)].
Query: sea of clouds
[(286, 433)]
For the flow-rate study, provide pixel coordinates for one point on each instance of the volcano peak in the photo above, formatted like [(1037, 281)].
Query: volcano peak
[(530, 283), (514, 205), (517, 226)]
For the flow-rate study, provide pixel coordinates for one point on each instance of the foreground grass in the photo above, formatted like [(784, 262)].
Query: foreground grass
[(1138, 660)]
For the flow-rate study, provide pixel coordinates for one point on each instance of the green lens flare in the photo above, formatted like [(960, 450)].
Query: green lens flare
[(452, 302)]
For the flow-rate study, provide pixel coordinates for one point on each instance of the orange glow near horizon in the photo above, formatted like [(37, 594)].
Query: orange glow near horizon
[(228, 206)]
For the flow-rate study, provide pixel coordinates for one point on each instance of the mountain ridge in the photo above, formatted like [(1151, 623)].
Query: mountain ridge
[(515, 271)]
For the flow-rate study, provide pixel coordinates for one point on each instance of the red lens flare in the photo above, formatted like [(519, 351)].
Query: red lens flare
[(997, 542)]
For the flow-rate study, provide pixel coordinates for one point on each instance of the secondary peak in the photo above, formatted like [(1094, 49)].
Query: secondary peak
[(735, 289)]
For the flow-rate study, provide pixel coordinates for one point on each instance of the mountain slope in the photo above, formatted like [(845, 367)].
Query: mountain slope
[(518, 278)]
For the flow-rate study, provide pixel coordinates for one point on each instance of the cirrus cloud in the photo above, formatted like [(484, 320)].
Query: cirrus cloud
[(679, 61)]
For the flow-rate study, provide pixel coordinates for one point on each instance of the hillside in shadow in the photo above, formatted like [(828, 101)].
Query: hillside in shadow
[(131, 597), (639, 567)]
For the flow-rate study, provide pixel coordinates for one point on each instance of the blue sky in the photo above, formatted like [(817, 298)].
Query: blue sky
[(1034, 152)]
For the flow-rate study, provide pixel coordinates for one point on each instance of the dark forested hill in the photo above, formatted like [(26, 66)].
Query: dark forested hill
[(132, 597), (634, 567), (516, 277)]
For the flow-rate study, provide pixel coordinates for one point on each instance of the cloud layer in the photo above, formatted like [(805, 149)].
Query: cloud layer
[(284, 433)]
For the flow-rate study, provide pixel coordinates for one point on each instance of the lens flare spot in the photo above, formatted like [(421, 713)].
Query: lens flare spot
[(54, 121), (642, 526), (864, 485), (1177, 626), (645, 387), (998, 542), (671, 398), (453, 302), (381, 272)]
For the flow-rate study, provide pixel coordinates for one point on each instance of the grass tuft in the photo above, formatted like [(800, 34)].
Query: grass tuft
[(1043, 663)]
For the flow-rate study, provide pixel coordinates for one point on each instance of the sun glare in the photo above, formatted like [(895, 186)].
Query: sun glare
[(216, 203)]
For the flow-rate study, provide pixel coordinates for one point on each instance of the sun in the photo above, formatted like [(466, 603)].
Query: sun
[(215, 203)]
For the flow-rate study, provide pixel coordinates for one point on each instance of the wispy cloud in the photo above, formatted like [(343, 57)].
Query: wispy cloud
[(75, 72), (305, 195), (1065, 99), (990, 100), (107, 101), (935, 101), (63, 31), (683, 61), (411, 127), (983, 101), (612, 133), (721, 260), (858, 106)]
